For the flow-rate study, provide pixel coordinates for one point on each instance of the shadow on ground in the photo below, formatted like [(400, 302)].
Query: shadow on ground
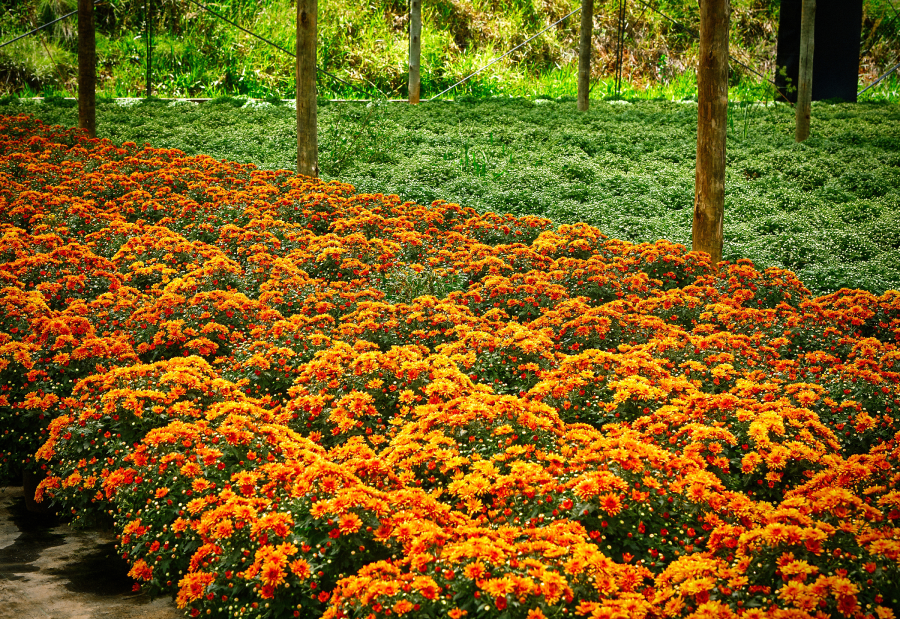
[(50, 571)]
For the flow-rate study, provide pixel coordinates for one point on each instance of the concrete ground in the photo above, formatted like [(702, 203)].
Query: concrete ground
[(50, 571)]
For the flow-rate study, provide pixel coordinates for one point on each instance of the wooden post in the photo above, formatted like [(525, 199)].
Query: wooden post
[(307, 139), (148, 16), (804, 77), (415, 49), (584, 54), (620, 48), (712, 117), (87, 68)]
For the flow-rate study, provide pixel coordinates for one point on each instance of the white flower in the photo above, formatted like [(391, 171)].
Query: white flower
[(256, 104)]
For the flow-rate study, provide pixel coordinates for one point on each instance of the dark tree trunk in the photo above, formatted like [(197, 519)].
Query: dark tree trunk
[(805, 73), (584, 54), (307, 139), (87, 68), (415, 49), (712, 117)]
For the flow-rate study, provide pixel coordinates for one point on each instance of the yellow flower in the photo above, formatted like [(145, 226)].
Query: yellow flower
[(349, 523), (192, 587), (610, 503), (474, 570), (402, 607), (300, 568)]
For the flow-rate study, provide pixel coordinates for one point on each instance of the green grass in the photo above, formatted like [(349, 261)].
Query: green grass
[(196, 54), (828, 209)]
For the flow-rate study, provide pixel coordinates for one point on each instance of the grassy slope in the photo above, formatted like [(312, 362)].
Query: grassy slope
[(828, 209), (197, 55)]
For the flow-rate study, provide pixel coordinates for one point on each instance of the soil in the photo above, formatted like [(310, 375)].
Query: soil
[(48, 570)]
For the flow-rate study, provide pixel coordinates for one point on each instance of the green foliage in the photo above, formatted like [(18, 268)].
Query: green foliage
[(405, 283), (827, 208), (358, 134), (194, 53)]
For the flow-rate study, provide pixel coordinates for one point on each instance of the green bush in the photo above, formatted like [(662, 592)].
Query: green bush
[(826, 208)]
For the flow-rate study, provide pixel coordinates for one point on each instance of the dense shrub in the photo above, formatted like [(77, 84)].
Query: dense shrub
[(563, 424)]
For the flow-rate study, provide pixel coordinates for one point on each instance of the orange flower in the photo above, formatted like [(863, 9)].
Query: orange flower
[(402, 607), (192, 586), (272, 573), (474, 571), (141, 571), (300, 568), (610, 503), (349, 523)]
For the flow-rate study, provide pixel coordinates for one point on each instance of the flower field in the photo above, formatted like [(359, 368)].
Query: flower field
[(292, 399)]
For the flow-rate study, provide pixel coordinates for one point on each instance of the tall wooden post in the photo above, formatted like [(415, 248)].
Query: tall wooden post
[(148, 16), (87, 68), (804, 78), (620, 47), (712, 117), (584, 54), (307, 139), (415, 49)]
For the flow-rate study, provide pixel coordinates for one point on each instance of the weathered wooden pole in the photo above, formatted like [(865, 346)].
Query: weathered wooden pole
[(87, 68), (307, 139), (620, 47), (415, 50), (148, 25), (712, 116), (584, 54), (804, 77)]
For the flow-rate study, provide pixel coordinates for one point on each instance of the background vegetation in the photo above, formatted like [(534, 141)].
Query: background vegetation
[(365, 42), (828, 209)]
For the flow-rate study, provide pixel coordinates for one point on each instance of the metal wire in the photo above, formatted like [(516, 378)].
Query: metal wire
[(697, 36), (290, 53), (496, 60), (896, 13), (39, 28), (892, 69), (619, 53), (890, 23), (683, 27), (876, 82)]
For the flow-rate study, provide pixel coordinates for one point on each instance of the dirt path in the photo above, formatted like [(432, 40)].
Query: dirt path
[(50, 571)]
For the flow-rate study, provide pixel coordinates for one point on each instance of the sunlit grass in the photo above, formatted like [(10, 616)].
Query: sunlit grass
[(826, 209), (197, 55)]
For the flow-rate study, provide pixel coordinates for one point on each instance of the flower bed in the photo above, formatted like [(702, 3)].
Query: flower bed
[(292, 399)]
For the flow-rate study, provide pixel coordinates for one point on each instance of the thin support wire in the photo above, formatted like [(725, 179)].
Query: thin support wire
[(288, 52), (751, 69), (496, 60), (677, 23), (620, 48), (39, 28), (876, 82), (892, 69), (697, 36), (890, 23)]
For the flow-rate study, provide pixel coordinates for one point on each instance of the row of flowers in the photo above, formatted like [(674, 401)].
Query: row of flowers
[(293, 399)]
